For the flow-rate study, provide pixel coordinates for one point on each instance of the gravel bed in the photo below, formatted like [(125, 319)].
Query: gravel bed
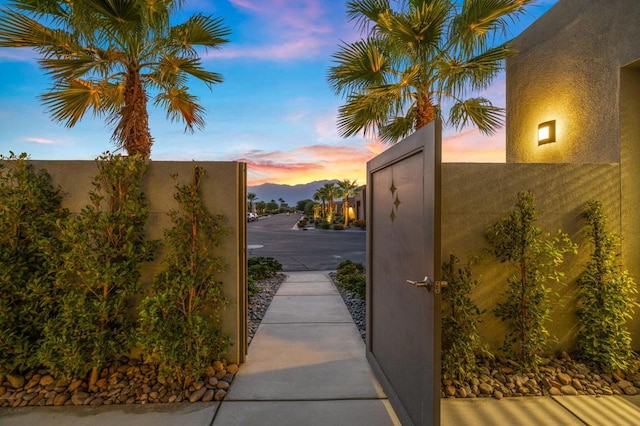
[(501, 377), (259, 303), (357, 307)]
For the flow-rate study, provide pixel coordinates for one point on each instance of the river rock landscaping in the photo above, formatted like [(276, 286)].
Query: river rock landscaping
[(501, 377), (130, 381)]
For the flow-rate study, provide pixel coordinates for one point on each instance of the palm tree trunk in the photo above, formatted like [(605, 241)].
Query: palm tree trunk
[(425, 111), (132, 131)]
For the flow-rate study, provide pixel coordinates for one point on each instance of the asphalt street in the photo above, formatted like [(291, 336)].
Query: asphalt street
[(303, 250)]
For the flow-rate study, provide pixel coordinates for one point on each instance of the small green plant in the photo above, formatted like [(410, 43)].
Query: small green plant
[(105, 247), (261, 268), (338, 227), (323, 224), (351, 276), (536, 257), (30, 208), (360, 224), (461, 341), (179, 319), (606, 299)]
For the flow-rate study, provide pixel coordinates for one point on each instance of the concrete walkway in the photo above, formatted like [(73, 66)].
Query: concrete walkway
[(306, 366)]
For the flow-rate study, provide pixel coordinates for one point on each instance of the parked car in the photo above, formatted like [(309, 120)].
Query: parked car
[(251, 217)]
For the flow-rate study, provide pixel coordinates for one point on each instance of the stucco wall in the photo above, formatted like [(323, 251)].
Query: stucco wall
[(475, 196), (567, 70), (223, 191)]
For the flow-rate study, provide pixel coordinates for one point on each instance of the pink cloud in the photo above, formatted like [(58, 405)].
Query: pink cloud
[(301, 48), (308, 163), (295, 29)]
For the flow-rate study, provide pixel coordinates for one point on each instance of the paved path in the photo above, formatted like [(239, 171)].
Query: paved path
[(306, 366)]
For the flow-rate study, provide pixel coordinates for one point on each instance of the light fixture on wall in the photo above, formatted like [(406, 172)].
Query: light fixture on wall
[(547, 132)]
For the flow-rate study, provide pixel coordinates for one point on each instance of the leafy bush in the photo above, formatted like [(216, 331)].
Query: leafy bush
[(323, 224), (179, 319), (29, 256), (261, 268), (351, 276), (535, 257), (606, 299), (360, 224), (302, 223), (105, 247), (461, 341), (338, 227)]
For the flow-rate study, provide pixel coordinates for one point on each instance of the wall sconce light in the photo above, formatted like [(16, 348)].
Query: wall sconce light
[(546, 132)]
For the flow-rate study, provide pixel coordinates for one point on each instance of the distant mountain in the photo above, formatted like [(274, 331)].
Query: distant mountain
[(290, 193)]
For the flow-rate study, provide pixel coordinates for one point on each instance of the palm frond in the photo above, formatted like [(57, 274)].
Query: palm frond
[(69, 101), (480, 19), (457, 75), (200, 30), (182, 106), (361, 113), (421, 29), (396, 129), (479, 111), (19, 30), (368, 14), (173, 70), (359, 65), (112, 96)]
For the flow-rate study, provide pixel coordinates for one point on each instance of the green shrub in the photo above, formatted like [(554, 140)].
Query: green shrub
[(360, 224), (351, 276), (179, 319), (535, 258), (323, 224), (461, 341), (606, 299), (29, 256), (262, 268), (338, 227), (105, 247)]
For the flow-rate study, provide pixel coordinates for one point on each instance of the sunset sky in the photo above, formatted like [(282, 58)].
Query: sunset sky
[(274, 111)]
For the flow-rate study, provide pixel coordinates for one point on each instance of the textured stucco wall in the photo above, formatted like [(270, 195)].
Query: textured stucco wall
[(630, 169), (223, 191), (567, 70), (475, 196)]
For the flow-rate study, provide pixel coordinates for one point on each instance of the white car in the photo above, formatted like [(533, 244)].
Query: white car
[(251, 217)]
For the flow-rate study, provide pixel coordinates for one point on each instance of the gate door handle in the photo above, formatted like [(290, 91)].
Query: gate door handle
[(428, 284)]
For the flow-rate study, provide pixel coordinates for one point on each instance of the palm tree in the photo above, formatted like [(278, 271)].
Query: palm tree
[(251, 197), (347, 189), (320, 195), (106, 57), (418, 58), (330, 193)]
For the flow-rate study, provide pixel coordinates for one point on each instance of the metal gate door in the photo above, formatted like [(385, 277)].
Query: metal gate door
[(403, 258)]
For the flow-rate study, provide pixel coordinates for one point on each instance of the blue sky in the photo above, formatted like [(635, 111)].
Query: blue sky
[(274, 110)]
